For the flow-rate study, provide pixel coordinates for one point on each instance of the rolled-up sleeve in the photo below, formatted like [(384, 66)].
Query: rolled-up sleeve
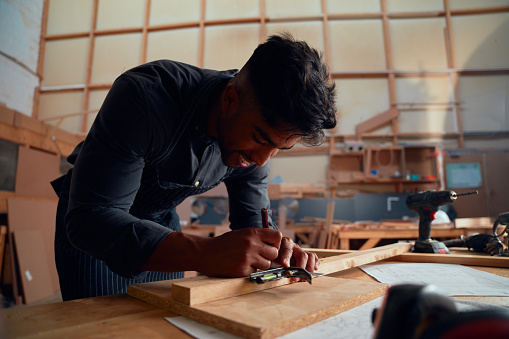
[(105, 180)]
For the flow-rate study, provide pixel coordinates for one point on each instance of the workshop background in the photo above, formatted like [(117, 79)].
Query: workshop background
[(423, 98)]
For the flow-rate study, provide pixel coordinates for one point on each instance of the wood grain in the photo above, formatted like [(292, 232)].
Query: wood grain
[(203, 289), (461, 259), (269, 313), (346, 261)]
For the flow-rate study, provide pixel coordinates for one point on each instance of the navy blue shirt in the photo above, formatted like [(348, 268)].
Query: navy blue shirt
[(145, 153)]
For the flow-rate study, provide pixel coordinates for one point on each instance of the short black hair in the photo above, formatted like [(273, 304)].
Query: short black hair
[(291, 84)]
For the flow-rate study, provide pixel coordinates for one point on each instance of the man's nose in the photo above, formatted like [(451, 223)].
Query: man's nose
[(263, 154)]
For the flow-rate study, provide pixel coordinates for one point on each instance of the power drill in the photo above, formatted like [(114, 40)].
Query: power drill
[(426, 204)]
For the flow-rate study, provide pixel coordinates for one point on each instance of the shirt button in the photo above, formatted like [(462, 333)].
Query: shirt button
[(196, 183)]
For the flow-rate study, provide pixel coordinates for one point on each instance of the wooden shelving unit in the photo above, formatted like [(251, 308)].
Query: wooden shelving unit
[(399, 168)]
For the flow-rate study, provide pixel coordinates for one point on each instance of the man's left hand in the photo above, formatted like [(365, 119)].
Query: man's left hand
[(291, 254)]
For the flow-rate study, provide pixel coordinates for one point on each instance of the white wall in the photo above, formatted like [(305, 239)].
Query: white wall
[(20, 31)]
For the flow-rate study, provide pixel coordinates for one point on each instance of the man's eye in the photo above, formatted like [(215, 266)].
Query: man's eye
[(258, 140)]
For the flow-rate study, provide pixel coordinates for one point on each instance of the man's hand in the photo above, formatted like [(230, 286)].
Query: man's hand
[(239, 253), (233, 254), (291, 254)]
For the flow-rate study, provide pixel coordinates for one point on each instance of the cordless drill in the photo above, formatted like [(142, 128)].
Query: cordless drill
[(426, 204)]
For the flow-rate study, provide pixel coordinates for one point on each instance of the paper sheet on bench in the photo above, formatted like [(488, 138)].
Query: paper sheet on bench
[(453, 280), (354, 323)]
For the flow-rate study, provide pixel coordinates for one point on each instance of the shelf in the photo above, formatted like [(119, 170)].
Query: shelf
[(355, 168), (346, 154), (386, 181)]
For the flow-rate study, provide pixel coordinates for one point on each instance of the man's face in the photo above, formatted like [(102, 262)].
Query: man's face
[(245, 138)]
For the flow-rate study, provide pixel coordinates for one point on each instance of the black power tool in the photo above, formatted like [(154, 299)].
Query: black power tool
[(426, 204), (486, 243)]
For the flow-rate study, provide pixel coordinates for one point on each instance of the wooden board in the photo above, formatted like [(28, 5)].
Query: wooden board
[(3, 237), (470, 259), (204, 289), (33, 265), (36, 169), (269, 313), (346, 261), (36, 214)]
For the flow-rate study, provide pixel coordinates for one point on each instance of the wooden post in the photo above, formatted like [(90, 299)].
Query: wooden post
[(3, 236), (324, 235)]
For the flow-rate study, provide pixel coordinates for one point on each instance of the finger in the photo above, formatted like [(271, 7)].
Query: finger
[(261, 264), (285, 255), (286, 251), (269, 252), (317, 262), (313, 262), (300, 257), (270, 236)]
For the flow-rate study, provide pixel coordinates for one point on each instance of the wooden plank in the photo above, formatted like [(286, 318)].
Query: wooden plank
[(458, 256), (33, 265), (342, 262), (270, 313), (35, 170), (3, 237), (12, 271), (461, 259), (6, 195), (40, 214), (370, 243), (376, 121), (473, 222), (324, 253), (62, 144), (324, 235), (28, 123), (203, 289), (344, 243), (399, 234)]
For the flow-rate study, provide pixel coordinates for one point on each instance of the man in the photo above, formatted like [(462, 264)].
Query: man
[(168, 130)]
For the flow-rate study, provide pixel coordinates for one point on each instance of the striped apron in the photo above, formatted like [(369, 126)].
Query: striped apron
[(84, 276)]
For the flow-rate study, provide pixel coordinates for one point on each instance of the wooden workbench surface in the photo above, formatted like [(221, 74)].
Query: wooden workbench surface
[(125, 317), (116, 316)]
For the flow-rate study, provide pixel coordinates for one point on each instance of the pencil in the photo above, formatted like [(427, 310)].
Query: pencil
[(265, 218)]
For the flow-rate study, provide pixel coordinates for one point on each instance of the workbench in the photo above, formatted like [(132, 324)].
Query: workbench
[(342, 234), (125, 317), (341, 237)]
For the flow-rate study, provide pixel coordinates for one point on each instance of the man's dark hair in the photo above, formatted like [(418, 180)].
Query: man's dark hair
[(290, 81)]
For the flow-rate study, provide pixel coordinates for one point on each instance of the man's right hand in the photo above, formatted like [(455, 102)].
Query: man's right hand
[(233, 254), (239, 253)]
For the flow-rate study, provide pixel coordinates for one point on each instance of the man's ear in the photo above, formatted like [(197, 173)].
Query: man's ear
[(230, 100)]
